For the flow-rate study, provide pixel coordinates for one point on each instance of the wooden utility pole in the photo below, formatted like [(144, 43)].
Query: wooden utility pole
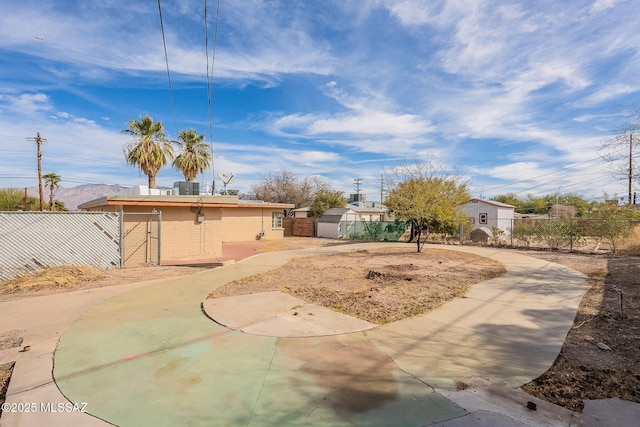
[(39, 142), (630, 164), (357, 182)]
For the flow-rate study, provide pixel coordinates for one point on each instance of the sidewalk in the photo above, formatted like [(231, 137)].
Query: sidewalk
[(149, 356)]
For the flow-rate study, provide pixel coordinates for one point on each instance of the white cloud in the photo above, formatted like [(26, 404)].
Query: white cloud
[(609, 92), (602, 5), (25, 104)]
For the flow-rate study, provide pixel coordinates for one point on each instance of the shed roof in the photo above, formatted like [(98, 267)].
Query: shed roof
[(334, 215), (490, 202)]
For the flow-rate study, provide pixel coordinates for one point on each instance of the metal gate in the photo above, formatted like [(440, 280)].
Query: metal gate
[(141, 239)]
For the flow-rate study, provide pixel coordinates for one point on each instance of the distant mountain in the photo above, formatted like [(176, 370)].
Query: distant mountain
[(72, 197)]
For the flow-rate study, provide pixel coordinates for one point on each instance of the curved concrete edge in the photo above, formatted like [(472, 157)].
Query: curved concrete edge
[(45, 318), (277, 314), (44, 328), (509, 329)]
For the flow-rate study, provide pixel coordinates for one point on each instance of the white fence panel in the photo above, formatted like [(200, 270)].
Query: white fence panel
[(33, 241)]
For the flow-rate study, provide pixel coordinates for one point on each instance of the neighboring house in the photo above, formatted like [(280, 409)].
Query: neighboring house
[(193, 228), (489, 213), (370, 211), (335, 222), (301, 212)]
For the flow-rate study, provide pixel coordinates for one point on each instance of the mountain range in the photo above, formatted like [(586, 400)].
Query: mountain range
[(74, 196)]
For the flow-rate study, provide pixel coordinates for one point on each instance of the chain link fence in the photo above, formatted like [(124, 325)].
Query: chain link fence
[(386, 231), (572, 234), (564, 234)]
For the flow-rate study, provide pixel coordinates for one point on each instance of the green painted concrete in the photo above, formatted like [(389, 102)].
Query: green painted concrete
[(151, 357)]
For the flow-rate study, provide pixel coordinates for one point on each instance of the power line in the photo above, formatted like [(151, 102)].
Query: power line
[(210, 82), (166, 60), (546, 174)]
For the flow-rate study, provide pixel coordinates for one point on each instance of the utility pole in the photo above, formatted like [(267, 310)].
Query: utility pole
[(381, 189), (39, 142), (357, 182), (630, 163)]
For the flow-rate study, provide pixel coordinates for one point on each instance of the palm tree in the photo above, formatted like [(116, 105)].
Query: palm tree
[(195, 156), (51, 180), (150, 149)]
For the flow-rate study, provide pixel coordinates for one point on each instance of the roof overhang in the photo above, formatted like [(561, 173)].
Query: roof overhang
[(180, 201)]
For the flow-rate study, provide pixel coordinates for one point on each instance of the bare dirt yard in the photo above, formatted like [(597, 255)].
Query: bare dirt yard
[(380, 286), (601, 354), (600, 358)]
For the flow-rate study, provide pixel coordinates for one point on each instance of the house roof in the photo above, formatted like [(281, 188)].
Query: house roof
[(361, 207), (490, 202), (337, 211), (166, 201)]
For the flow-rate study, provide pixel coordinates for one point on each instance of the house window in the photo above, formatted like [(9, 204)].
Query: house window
[(276, 219), (482, 219)]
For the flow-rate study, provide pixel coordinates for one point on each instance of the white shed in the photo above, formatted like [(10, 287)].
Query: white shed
[(489, 213), (334, 223)]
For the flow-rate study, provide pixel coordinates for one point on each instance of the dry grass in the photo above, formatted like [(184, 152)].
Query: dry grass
[(380, 286), (5, 376), (66, 276)]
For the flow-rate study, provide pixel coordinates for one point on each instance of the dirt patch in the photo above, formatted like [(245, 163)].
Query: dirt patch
[(379, 286), (71, 278), (66, 276), (11, 339), (600, 357), (5, 375)]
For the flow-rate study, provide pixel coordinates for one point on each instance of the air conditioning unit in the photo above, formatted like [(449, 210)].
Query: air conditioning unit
[(187, 188)]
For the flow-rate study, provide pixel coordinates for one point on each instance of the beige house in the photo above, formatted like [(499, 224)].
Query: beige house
[(189, 229)]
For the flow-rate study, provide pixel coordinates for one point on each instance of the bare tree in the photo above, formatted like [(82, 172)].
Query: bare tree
[(286, 187), (621, 151)]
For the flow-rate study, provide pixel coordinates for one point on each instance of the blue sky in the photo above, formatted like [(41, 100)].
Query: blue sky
[(516, 96)]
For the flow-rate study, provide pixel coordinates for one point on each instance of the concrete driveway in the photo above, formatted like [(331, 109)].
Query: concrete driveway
[(150, 356)]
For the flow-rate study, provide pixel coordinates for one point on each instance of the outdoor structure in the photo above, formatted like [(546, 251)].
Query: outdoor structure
[(192, 229), (489, 213), (301, 212), (370, 211), (334, 223)]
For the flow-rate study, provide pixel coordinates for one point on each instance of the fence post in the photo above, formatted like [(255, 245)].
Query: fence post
[(159, 237), (513, 223), (570, 234), (121, 219)]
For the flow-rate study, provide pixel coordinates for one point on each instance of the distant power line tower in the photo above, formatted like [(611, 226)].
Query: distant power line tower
[(39, 142)]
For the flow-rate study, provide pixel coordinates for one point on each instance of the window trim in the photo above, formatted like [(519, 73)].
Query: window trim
[(277, 220)]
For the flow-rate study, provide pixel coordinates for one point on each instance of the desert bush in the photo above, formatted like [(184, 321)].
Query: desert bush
[(554, 234), (612, 224), (524, 231)]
